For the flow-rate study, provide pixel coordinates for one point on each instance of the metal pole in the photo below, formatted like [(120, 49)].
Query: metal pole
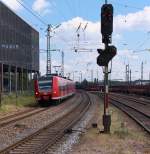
[(9, 78), (106, 88), (16, 79), (106, 116), (91, 75), (97, 75), (62, 65), (130, 77), (149, 77), (105, 1), (126, 75), (27, 76), (1, 82), (22, 80), (16, 84), (142, 73), (109, 80), (48, 50)]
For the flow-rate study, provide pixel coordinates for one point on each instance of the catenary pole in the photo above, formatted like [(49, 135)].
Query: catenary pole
[(48, 71)]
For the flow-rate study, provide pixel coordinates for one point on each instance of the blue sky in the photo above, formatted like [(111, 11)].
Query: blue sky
[(131, 33)]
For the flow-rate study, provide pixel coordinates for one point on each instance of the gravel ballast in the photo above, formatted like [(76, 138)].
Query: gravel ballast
[(126, 136), (22, 128)]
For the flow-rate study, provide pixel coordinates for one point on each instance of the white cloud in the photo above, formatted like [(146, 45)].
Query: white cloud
[(133, 21), (41, 6), (13, 4), (66, 37)]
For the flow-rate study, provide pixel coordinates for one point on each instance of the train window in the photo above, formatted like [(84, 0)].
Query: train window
[(45, 84)]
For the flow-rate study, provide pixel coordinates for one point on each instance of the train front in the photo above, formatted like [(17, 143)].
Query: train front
[(43, 89)]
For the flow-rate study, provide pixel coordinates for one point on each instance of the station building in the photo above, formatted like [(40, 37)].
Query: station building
[(19, 51)]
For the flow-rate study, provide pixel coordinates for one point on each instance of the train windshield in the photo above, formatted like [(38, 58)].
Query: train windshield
[(45, 84)]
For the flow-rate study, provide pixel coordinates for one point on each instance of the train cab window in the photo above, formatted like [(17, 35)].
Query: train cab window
[(45, 84)]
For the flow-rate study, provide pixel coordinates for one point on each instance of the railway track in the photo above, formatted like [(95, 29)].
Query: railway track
[(131, 107), (22, 115), (136, 99), (42, 139), (135, 104)]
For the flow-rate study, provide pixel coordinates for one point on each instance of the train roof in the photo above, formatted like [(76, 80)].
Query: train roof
[(47, 76)]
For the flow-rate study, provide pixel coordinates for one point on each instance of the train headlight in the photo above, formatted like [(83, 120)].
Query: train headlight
[(36, 93)]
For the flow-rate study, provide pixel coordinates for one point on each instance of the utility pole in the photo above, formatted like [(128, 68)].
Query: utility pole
[(48, 70), (109, 79), (149, 78), (62, 64), (91, 75), (127, 74), (142, 73), (0, 92), (130, 77), (49, 62), (97, 75)]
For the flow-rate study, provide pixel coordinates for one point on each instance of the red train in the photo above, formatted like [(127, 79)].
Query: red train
[(52, 87)]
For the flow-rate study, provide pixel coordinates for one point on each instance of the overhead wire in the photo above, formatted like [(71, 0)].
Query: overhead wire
[(73, 13), (63, 39), (70, 7), (35, 15), (61, 14), (28, 5), (142, 44), (126, 6), (40, 18)]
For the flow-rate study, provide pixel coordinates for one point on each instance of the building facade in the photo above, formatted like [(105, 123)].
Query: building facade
[(19, 51)]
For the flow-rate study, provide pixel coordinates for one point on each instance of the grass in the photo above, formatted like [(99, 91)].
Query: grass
[(125, 136), (11, 101)]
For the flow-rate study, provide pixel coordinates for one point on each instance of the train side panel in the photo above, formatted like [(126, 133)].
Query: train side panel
[(63, 88), (55, 91)]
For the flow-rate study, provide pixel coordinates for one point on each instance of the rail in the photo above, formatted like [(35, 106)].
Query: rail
[(42, 139)]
